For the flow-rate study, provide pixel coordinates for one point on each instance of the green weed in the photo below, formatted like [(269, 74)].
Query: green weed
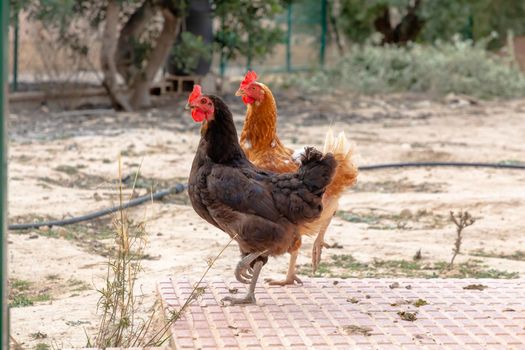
[(20, 285), (404, 220), (346, 266), (21, 300), (518, 255)]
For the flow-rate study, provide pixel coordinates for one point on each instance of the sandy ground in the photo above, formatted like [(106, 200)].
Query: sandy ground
[(65, 164)]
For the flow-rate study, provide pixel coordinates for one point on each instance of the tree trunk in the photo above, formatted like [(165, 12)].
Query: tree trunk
[(335, 28), (407, 30), (141, 82), (125, 55), (410, 26), (107, 57), (383, 25)]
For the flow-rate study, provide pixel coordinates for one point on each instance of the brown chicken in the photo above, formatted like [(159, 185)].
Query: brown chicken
[(263, 211), (261, 144)]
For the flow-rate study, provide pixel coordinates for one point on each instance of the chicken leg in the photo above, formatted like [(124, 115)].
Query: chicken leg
[(291, 277), (249, 298), (244, 273), (319, 244)]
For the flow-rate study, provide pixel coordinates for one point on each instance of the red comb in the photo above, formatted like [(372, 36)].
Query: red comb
[(249, 78), (195, 94)]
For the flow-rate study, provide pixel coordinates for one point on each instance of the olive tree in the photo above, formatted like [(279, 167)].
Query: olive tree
[(137, 36)]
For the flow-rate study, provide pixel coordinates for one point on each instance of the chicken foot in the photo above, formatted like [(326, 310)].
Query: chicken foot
[(249, 298), (291, 277)]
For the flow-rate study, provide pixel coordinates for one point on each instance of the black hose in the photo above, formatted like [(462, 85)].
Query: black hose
[(180, 187), (132, 203), (441, 164)]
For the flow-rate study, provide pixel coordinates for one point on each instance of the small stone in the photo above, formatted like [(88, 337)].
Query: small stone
[(405, 213), (355, 329), (62, 231), (394, 285), (475, 287), (420, 302), (407, 316)]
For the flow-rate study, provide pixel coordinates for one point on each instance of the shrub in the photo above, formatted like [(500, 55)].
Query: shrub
[(455, 67)]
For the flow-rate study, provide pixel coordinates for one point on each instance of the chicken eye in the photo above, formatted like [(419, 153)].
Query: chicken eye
[(203, 101)]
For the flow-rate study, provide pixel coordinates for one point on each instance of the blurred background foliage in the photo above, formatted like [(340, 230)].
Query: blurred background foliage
[(440, 19), (455, 66), (391, 45)]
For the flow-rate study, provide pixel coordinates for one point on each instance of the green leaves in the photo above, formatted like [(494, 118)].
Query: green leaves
[(246, 28), (187, 52), (473, 19)]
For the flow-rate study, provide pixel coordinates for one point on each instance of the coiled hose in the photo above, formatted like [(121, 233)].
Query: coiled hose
[(178, 188)]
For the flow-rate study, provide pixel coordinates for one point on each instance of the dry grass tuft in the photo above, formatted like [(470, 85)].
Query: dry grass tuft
[(120, 324), (461, 220)]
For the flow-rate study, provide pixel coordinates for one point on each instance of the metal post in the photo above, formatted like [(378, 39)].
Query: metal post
[(4, 320), (249, 58), (323, 31), (222, 62), (289, 38), (15, 54), (470, 28)]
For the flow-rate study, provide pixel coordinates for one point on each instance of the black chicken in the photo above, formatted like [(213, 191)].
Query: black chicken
[(261, 210)]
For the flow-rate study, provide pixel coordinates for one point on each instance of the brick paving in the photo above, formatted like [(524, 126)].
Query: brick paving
[(352, 314)]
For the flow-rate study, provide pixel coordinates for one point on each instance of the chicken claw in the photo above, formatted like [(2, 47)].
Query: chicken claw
[(249, 298), (291, 277), (286, 281), (244, 272)]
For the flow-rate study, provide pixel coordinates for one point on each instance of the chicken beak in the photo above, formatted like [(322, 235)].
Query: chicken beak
[(187, 107), (239, 92)]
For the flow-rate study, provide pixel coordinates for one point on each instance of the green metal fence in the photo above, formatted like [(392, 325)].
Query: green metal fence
[(4, 321), (304, 47), (305, 26)]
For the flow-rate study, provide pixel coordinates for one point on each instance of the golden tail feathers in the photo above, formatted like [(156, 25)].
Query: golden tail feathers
[(346, 172), (345, 176)]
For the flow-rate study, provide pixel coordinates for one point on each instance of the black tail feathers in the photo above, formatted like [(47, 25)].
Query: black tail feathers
[(316, 169)]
